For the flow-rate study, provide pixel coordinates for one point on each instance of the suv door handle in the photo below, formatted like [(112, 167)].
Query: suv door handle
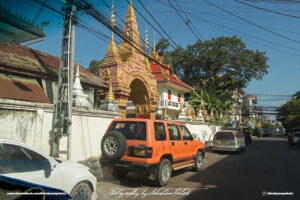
[(172, 143), (185, 143)]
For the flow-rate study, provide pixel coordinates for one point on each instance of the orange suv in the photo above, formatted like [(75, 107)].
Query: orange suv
[(154, 146)]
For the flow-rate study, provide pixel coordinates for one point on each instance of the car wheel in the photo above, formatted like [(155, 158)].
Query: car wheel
[(81, 191), (198, 161), (119, 173), (113, 145), (164, 172)]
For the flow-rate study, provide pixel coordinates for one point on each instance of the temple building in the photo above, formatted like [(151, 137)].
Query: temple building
[(27, 74), (144, 88), (171, 90), (129, 72)]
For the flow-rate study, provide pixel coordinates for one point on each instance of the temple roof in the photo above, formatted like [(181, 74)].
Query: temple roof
[(165, 75), (16, 58), (21, 88)]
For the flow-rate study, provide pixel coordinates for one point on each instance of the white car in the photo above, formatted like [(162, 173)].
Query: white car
[(22, 162)]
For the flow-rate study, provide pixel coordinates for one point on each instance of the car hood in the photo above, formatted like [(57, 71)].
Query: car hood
[(71, 164)]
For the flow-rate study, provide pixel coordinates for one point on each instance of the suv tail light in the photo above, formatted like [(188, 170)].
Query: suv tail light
[(149, 152), (141, 151)]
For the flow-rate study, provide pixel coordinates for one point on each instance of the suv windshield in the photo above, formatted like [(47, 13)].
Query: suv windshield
[(224, 136), (131, 130)]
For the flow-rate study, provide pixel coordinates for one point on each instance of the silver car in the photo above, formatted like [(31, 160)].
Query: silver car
[(228, 140)]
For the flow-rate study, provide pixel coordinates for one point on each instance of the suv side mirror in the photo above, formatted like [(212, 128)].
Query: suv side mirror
[(194, 136)]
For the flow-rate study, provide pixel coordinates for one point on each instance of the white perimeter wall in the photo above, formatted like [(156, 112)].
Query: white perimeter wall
[(204, 132), (31, 123)]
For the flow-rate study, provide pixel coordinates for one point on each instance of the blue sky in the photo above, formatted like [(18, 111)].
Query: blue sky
[(284, 55)]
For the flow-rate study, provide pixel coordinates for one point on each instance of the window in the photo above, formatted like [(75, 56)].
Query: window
[(141, 131), (185, 133), (224, 136), (174, 133), (179, 97), (169, 95), (14, 159), (160, 133), (131, 130), (126, 128)]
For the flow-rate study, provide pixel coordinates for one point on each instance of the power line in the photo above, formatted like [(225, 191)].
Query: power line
[(190, 22), (264, 9), (249, 22), (185, 21), (254, 37), (157, 22)]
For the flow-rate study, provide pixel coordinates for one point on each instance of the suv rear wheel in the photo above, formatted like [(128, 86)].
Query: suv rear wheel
[(113, 145), (164, 172), (199, 161)]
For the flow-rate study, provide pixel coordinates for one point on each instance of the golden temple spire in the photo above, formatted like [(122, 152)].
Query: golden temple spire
[(110, 94), (131, 33), (154, 42), (130, 12), (112, 15), (146, 44), (112, 48)]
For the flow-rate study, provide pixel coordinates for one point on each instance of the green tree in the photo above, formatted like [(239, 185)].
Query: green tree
[(289, 114), (296, 95), (269, 126), (94, 67), (224, 61)]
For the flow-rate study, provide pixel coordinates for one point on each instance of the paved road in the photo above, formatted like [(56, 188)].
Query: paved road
[(268, 165)]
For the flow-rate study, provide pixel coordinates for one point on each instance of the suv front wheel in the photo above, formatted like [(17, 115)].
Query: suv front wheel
[(164, 172)]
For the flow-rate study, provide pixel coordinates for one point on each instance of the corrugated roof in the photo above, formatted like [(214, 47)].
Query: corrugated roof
[(21, 59), (13, 87)]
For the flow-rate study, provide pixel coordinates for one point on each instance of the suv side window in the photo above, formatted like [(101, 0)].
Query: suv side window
[(185, 133), (141, 131), (14, 159), (160, 133), (174, 133)]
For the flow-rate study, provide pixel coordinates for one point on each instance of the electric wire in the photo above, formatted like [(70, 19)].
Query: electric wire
[(254, 37), (190, 22), (186, 22), (267, 10), (157, 23), (249, 22)]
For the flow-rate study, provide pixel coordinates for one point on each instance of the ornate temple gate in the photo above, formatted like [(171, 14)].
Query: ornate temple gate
[(129, 72)]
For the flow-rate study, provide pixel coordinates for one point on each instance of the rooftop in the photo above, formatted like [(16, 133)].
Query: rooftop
[(16, 58)]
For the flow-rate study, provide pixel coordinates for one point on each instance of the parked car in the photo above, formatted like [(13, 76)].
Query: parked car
[(228, 140), (266, 133), (294, 136), (25, 163), (151, 146)]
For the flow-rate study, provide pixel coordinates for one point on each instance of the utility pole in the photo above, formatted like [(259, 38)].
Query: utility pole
[(62, 120)]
